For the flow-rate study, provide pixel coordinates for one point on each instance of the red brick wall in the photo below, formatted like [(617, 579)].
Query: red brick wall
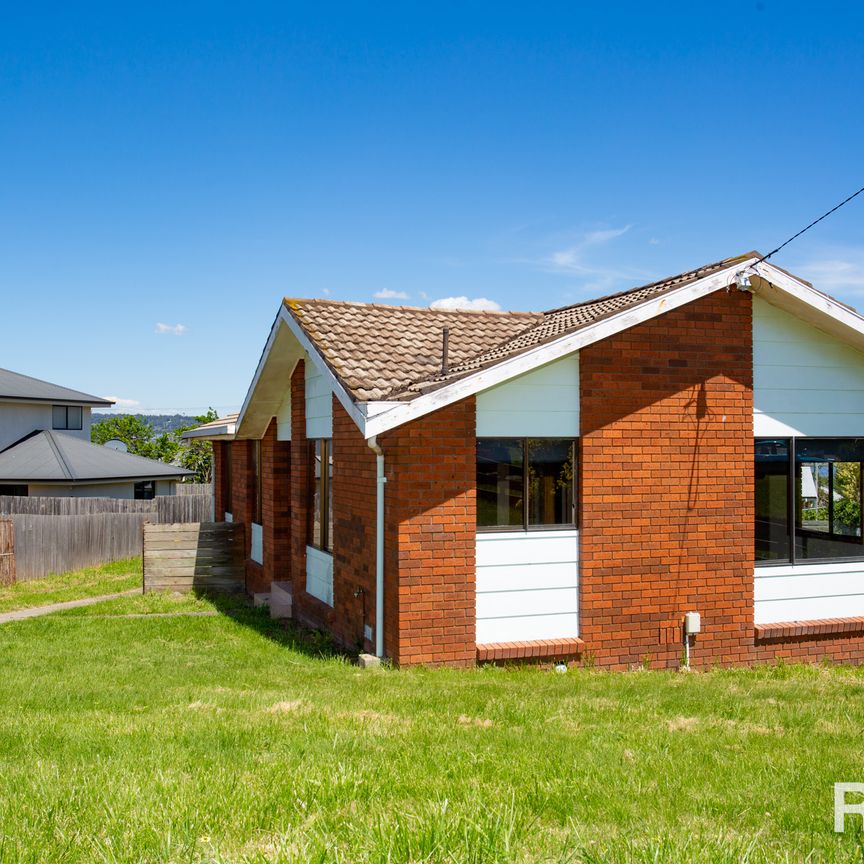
[(219, 503), (666, 493), (242, 490), (276, 513), (354, 500), (430, 517)]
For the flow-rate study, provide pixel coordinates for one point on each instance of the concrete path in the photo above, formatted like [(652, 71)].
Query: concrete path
[(36, 611)]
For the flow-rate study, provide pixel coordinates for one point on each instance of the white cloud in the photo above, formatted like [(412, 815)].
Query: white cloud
[(120, 402), (478, 303), (571, 259), (171, 329), (389, 294), (835, 271)]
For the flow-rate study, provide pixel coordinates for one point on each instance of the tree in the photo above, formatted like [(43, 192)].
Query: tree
[(140, 439)]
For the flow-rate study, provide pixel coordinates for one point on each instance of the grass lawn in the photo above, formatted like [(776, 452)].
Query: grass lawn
[(89, 582), (222, 738)]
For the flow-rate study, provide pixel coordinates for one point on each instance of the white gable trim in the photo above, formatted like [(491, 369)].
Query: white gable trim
[(285, 319)]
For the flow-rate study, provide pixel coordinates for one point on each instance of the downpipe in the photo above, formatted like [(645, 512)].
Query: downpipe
[(380, 480)]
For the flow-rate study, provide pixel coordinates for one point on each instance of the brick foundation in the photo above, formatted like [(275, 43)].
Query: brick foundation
[(666, 493)]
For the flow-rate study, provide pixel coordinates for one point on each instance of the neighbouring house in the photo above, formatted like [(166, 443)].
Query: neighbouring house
[(45, 447), (454, 486)]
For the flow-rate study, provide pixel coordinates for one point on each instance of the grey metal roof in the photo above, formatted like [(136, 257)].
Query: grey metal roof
[(221, 427), (63, 458), (13, 385)]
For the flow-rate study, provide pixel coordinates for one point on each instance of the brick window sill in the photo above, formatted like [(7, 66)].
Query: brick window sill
[(537, 649), (792, 630)]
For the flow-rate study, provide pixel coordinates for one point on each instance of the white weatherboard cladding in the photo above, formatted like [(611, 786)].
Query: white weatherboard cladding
[(256, 553), (319, 575), (803, 592), (805, 382), (319, 403), (527, 585), (541, 403), (283, 417)]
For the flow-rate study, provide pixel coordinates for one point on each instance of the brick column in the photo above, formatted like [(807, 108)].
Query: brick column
[(666, 491), (431, 525), (276, 507), (243, 489), (219, 504)]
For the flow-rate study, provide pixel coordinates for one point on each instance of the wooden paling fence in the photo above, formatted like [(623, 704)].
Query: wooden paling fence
[(203, 557), (7, 552), (194, 489), (55, 535)]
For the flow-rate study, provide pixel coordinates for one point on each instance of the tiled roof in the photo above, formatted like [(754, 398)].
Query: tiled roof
[(377, 351), (394, 353)]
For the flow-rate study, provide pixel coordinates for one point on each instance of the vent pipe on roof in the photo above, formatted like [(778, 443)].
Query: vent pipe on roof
[(445, 350)]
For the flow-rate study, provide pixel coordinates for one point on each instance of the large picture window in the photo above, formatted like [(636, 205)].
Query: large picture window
[(808, 499), (320, 499), (526, 483)]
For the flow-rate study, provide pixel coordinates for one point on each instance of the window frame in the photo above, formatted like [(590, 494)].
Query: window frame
[(66, 427), (325, 500), (140, 487), (793, 520), (525, 526)]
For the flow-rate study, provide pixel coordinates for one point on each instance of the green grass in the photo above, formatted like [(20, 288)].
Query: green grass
[(89, 582), (227, 739)]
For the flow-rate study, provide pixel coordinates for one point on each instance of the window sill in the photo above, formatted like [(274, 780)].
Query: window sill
[(815, 629), (538, 649)]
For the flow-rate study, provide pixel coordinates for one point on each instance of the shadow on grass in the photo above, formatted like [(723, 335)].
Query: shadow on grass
[(312, 643)]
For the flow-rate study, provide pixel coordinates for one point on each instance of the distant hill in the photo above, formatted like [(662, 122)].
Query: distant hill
[(160, 422)]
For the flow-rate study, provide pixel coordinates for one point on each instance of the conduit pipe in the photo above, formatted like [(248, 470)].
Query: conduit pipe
[(380, 480)]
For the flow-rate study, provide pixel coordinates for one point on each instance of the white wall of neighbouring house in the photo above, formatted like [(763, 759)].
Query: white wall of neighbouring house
[(528, 581), (805, 382), (319, 403), (18, 419)]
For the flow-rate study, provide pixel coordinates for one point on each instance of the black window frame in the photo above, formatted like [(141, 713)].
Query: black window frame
[(65, 409), (793, 517), (325, 502), (144, 490), (526, 507), (14, 490)]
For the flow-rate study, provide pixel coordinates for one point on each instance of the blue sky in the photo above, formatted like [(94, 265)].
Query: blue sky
[(190, 164)]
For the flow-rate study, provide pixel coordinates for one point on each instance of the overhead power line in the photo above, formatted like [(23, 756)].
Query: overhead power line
[(808, 227)]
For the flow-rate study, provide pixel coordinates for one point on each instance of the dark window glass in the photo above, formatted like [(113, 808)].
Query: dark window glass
[(145, 490), (550, 482), (14, 489), (828, 498), (772, 500), (500, 482), (320, 499), (74, 417), (58, 419)]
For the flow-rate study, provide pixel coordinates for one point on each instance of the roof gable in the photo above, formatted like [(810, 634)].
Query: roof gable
[(384, 362)]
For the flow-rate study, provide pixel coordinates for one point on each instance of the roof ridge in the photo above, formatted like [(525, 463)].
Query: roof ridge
[(686, 274), (61, 459), (292, 302)]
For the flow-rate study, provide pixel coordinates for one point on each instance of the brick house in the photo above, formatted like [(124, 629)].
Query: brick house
[(453, 486)]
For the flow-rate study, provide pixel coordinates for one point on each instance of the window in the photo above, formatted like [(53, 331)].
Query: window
[(320, 534), (14, 489), (67, 417), (511, 471), (257, 480), (145, 490), (227, 479), (808, 499)]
